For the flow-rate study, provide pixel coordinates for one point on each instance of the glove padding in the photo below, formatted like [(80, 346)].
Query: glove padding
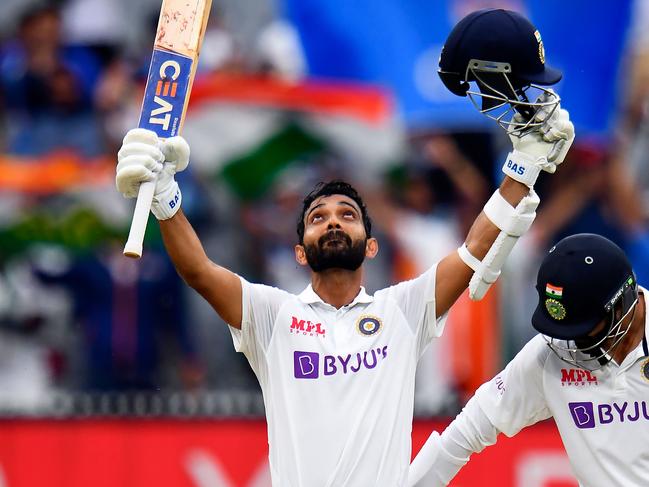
[(145, 157), (542, 149)]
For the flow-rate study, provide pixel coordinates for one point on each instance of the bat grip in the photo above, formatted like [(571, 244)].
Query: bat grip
[(133, 247)]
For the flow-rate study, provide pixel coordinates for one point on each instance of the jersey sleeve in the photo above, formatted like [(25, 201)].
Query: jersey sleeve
[(260, 305), (416, 300), (515, 398)]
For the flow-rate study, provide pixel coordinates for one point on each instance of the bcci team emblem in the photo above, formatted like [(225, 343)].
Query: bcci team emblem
[(644, 369), (555, 309), (368, 325), (541, 48)]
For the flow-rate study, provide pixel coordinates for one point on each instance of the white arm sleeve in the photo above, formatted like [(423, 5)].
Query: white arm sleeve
[(512, 400), (260, 305), (515, 398), (416, 300), (445, 455)]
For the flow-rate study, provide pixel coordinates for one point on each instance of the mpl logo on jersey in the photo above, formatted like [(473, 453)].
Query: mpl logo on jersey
[(306, 328), (587, 415), (577, 377), (307, 365), (166, 91)]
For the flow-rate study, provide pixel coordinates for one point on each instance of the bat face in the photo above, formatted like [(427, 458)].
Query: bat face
[(175, 55), (181, 25)]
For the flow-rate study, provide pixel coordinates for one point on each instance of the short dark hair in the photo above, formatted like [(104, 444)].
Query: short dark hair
[(336, 186)]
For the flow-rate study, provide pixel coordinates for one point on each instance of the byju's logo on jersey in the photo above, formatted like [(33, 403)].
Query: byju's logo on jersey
[(307, 365), (577, 377), (306, 328), (500, 385), (587, 415), (582, 414)]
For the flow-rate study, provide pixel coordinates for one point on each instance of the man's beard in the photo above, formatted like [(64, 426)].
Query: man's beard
[(342, 254)]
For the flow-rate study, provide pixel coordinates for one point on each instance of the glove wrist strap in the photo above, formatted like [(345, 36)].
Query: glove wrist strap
[(522, 168), (167, 202)]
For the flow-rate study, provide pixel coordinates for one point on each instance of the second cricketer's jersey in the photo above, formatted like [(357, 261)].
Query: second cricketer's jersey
[(338, 384), (602, 416)]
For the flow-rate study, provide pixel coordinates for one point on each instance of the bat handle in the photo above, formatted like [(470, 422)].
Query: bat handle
[(133, 247)]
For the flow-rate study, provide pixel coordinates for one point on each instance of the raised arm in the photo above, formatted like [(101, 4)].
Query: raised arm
[(144, 157), (219, 286), (506, 216), (453, 274), (511, 401)]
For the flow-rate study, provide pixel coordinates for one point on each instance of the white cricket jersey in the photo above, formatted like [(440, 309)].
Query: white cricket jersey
[(602, 416), (338, 384)]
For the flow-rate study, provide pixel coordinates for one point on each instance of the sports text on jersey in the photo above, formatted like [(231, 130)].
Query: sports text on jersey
[(305, 327), (577, 377), (307, 365), (589, 415)]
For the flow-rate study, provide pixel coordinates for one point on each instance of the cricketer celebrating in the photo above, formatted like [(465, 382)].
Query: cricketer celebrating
[(588, 369), (336, 366)]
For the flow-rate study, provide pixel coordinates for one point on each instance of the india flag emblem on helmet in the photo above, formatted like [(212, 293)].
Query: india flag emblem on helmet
[(554, 291)]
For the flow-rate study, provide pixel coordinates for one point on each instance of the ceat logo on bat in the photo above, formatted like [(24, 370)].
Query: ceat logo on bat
[(166, 91)]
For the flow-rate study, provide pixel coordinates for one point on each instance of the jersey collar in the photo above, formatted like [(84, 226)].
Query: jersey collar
[(309, 296)]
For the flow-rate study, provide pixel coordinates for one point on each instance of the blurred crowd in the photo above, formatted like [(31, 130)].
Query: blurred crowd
[(76, 316)]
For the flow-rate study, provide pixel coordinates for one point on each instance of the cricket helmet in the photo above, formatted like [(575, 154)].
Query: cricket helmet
[(584, 279), (503, 54)]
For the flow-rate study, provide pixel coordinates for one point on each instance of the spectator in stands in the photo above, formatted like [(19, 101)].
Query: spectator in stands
[(132, 320), (48, 89)]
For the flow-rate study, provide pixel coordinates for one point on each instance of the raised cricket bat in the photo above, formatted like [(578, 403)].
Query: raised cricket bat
[(181, 29)]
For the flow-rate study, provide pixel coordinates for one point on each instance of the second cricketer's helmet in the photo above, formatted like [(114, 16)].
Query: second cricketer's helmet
[(584, 279), (502, 52)]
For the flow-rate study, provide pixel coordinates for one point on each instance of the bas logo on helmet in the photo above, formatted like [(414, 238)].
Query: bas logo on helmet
[(537, 34), (555, 309), (368, 325)]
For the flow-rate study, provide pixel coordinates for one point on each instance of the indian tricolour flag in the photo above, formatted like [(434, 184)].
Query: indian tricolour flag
[(553, 291)]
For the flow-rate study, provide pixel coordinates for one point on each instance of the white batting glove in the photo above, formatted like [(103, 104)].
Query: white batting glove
[(145, 157), (542, 149)]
